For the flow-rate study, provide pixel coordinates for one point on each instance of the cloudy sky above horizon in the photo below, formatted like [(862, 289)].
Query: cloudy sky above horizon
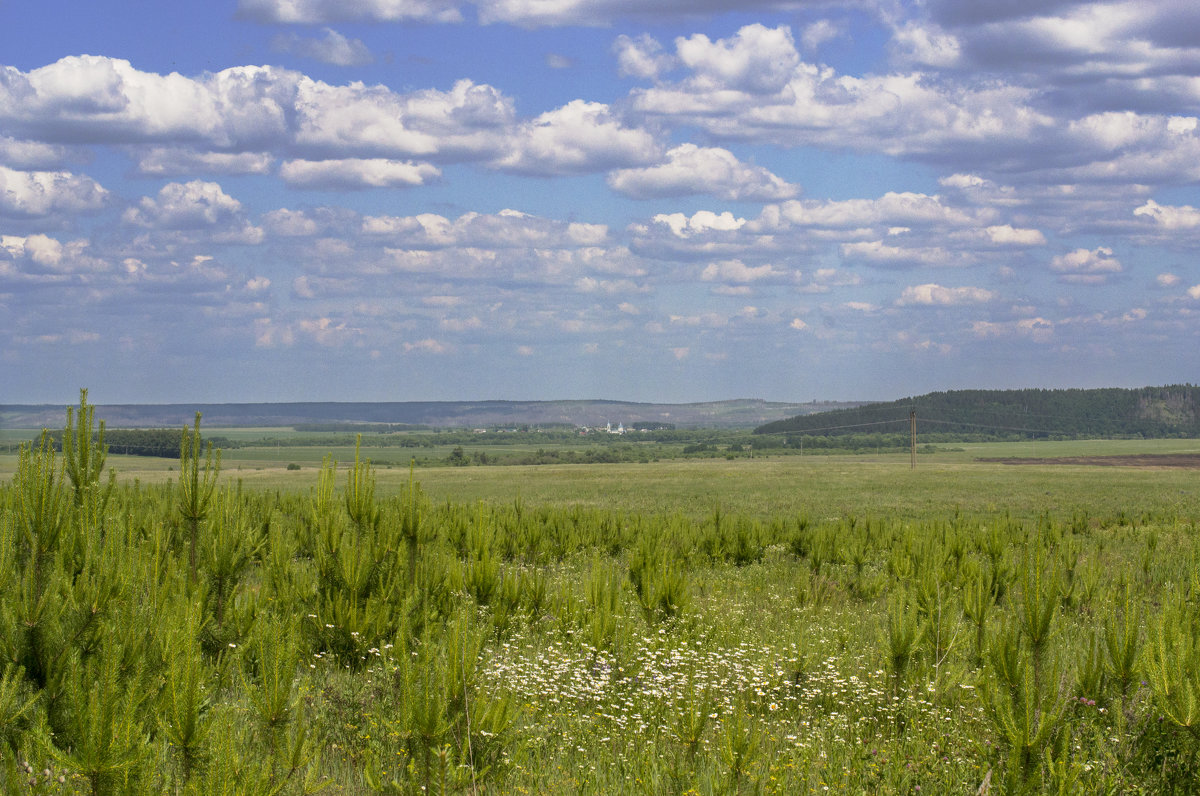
[(663, 200)]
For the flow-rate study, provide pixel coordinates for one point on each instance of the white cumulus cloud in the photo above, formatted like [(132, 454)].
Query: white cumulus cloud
[(737, 271), (577, 138), (935, 295), (684, 226), (333, 48), (357, 173), (1086, 266), (692, 169), (30, 194), (1170, 217), (190, 205), (313, 12)]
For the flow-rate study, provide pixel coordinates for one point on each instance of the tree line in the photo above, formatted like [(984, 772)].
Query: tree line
[(1156, 412)]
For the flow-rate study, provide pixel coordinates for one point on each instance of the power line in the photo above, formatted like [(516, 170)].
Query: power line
[(923, 420), (836, 428), (994, 428)]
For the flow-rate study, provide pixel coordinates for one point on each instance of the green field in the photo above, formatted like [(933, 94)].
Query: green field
[(818, 486), (770, 624)]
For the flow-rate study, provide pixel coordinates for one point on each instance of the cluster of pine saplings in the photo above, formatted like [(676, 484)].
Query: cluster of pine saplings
[(197, 638)]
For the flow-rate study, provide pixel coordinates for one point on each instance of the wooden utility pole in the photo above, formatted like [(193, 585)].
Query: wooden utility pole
[(912, 429)]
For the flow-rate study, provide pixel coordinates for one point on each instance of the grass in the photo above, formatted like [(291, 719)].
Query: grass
[(763, 487)]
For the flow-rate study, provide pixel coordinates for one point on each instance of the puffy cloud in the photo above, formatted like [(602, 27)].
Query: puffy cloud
[(642, 57), (179, 161), (577, 138), (358, 119), (926, 45), (313, 12), (190, 205), (1097, 53), (326, 332), (29, 154), (49, 255), (552, 13), (892, 209), (94, 99), (754, 86), (290, 223), (1038, 329), (1169, 217), (357, 173), (461, 324), (1086, 266), (195, 206), (882, 255), (333, 49), (710, 320), (737, 271), (611, 287), (506, 229), (427, 346), (691, 169), (98, 100), (819, 32), (702, 221), (756, 60), (1007, 235), (935, 295), (34, 194)]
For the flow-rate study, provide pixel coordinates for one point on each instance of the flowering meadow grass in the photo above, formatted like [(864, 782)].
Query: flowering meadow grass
[(201, 637)]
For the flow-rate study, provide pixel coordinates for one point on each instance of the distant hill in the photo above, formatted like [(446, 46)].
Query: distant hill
[(1171, 411), (739, 413)]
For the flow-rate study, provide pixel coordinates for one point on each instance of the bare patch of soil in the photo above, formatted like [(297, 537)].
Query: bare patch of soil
[(1183, 460)]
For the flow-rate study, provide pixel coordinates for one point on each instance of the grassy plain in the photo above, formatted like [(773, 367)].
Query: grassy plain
[(816, 486)]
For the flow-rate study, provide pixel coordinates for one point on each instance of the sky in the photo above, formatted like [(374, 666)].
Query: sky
[(661, 200)]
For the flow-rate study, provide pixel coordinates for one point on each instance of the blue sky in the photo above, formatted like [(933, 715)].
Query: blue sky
[(258, 200)]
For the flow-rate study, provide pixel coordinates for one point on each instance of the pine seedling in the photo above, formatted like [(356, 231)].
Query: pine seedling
[(184, 701), (102, 737), (40, 502), (1040, 592), (16, 707), (740, 746), (84, 453), (196, 485), (1027, 718), (228, 551), (1173, 667), (1123, 641), (360, 493), (691, 718), (412, 528), (904, 633), (978, 601), (604, 597), (277, 655)]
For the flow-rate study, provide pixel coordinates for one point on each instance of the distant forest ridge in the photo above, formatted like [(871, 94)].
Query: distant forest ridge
[(1153, 412), (738, 413)]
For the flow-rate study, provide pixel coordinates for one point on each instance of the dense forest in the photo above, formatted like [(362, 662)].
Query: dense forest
[(1155, 412)]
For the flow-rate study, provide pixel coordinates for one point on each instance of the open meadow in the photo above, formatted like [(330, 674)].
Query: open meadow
[(767, 624)]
